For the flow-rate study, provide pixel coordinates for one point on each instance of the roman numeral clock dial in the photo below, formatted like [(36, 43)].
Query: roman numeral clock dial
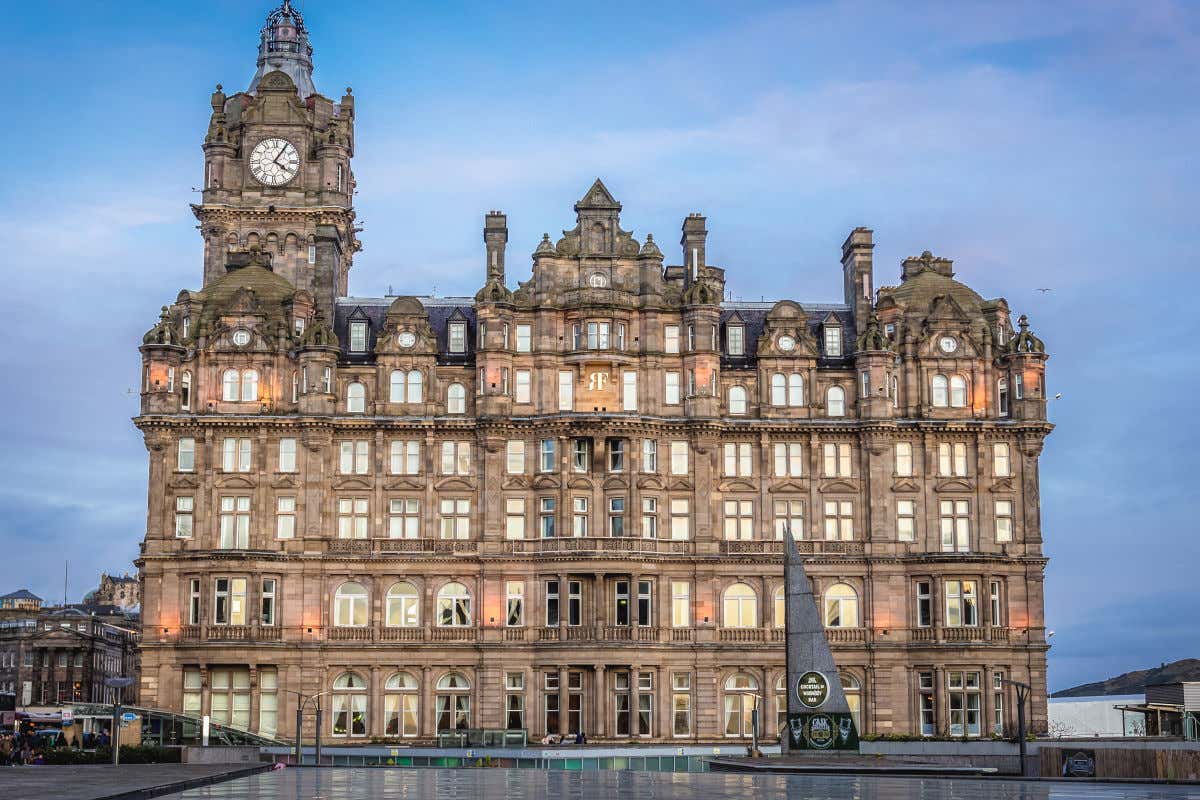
[(274, 162)]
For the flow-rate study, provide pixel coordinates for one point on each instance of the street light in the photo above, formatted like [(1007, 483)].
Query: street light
[(119, 684), (753, 719), (302, 700), (1022, 690)]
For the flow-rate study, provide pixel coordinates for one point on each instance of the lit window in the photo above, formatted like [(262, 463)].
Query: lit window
[(962, 604), (839, 520), (740, 605), (229, 601), (680, 519), (403, 608), (841, 607), (681, 604)]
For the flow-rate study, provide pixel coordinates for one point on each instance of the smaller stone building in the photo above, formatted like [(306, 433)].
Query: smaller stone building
[(121, 591)]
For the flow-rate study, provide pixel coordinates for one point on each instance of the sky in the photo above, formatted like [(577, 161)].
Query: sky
[(1039, 145)]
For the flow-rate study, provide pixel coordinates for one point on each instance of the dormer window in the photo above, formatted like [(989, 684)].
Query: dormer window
[(735, 340), (358, 336), (458, 337), (833, 340)]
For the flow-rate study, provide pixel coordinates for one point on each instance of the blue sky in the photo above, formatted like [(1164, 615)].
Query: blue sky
[(1038, 145)]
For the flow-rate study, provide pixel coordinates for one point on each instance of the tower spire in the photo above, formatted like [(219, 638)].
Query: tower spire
[(283, 45)]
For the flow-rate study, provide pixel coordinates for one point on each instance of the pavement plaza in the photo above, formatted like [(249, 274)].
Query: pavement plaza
[(520, 784)]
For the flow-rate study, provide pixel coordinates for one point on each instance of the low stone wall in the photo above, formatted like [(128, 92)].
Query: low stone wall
[(1005, 757), (220, 755)]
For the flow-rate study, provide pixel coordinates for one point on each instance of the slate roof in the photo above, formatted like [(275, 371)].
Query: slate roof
[(441, 310), (21, 594)]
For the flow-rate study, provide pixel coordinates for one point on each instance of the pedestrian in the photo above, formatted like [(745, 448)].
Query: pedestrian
[(6, 748)]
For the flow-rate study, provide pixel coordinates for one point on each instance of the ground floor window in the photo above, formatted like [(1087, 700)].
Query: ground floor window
[(349, 705), (229, 696), (400, 705), (964, 702), (739, 704), (926, 703), (453, 702), (681, 704)]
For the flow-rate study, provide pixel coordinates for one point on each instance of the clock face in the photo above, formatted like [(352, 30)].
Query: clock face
[(274, 162), (787, 344), (948, 344), (407, 339)]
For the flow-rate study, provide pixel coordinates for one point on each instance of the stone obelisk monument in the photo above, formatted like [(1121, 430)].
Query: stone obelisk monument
[(818, 715)]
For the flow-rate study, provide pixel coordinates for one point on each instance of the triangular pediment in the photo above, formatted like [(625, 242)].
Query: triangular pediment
[(650, 482), (789, 486), (679, 485), (404, 485), (905, 485), (545, 482), (514, 482), (285, 481), (1003, 485), (945, 307), (184, 481), (598, 197)]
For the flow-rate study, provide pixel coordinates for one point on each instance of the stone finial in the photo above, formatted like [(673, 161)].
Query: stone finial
[(545, 246)]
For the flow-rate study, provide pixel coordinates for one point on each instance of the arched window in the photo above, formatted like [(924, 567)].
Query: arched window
[(250, 385), (795, 389), (229, 385), (185, 391), (350, 606), (396, 387), (356, 398), (737, 400), (400, 700), (456, 399), (853, 690), (454, 606), (415, 393), (741, 607), (941, 391), (453, 702), (778, 389), (841, 607), (958, 391), (349, 705), (739, 703), (779, 607), (835, 402), (403, 606)]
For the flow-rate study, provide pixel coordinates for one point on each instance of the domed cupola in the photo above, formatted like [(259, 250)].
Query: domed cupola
[(284, 46)]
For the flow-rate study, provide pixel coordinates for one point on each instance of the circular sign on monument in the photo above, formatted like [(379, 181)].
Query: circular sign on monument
[(812, 690), (819, 731)]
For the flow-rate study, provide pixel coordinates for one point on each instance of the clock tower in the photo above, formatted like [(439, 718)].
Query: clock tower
[(278, 186)]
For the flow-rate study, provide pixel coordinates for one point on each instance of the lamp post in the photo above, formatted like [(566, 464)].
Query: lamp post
[(1022, 690), (118, 683), (302, 701), (753, 720)]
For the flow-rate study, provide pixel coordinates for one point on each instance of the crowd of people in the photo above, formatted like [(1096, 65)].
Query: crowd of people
[(29, 748)]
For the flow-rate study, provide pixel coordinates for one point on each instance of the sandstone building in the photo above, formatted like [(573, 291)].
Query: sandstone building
[(557, 505)]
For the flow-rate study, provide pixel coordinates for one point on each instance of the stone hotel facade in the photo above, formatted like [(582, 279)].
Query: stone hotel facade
[(558, 505)]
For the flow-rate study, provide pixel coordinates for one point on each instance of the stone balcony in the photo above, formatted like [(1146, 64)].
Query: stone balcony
[(972, 634)]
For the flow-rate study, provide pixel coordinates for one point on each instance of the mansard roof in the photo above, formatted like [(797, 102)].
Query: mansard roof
[(754, 317), (375, 309)]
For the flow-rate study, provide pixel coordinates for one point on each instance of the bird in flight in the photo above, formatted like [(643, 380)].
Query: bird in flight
[(1043, 291)]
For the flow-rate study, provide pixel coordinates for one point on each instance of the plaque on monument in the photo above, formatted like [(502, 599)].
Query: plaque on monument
[(818, 715)]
